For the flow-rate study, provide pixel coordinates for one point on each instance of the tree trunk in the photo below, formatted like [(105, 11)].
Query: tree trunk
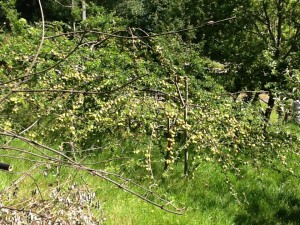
[(270, 107), (73, 9), (83, 5)]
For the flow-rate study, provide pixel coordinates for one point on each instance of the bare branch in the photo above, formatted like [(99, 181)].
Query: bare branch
[(102, 174), (209, 23), (268, 23), (279, 26)]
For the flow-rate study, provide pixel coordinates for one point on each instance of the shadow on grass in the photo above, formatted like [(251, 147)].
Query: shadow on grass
[(265, 208)]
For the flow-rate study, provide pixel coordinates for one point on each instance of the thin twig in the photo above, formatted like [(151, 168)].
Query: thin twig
[(209, 23)]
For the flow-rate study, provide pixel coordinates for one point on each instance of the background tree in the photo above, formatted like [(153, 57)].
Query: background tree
[(262, 49)]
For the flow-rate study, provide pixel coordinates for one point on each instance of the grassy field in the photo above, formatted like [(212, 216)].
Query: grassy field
[(263, 194), (266, 197)]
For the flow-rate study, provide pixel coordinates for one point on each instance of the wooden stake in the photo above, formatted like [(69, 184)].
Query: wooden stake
[(186, 152), (169, 145)]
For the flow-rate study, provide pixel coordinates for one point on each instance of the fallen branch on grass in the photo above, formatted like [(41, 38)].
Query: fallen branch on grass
[(50, 155)]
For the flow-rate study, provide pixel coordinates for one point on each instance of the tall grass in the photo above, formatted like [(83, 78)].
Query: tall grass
[(264, 197), (263, 194)]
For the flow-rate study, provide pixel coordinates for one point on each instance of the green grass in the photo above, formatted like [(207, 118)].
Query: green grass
[(265, 195), (203, 204)]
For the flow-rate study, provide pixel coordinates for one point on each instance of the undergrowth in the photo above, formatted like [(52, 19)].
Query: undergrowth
[(262, 195)]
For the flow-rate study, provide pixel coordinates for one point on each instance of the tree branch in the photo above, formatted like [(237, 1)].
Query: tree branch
[(209, 23), (268, 23)]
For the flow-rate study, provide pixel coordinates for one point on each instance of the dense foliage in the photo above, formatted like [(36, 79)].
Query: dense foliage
[(119, 85)]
